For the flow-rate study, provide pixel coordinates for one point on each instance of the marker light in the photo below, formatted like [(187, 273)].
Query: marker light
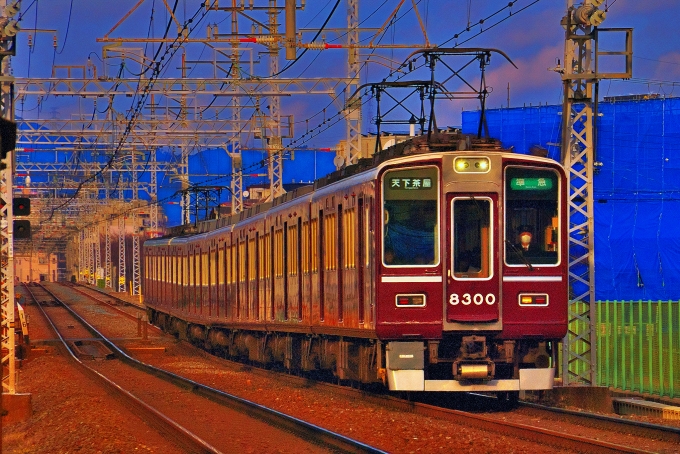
[(471, 165), (533, 299), (410, 300)]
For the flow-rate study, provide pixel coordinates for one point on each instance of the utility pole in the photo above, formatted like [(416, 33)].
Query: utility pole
[(580, 77), (8, 30)]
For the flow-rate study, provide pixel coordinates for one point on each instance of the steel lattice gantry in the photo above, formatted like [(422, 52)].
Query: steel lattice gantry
[(170, 111), (580, 76), (7, 49)]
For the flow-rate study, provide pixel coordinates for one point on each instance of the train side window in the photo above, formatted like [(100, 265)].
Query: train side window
[(220, 266), (190, 260), (162, 266), (242, 261), (532, 216), (330, 241), (251, 263), (197, 271), (411, 217), (262, 256), (180, 268), (232, 264), (472, 237), (183, 266), (305, 247), (227, 266), (350, 238), (171, 267), (292, 250), (214, 265), (278, 253), (314, 245), (205, 275), (267, 255), (185, 270), (368, 229)]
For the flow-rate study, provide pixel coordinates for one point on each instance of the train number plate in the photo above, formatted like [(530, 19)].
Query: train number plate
[(475, 298)]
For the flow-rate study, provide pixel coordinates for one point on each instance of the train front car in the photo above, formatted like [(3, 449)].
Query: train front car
[(471, 285)]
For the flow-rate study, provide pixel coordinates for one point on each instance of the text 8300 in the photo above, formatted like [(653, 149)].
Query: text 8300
[(466, 299)]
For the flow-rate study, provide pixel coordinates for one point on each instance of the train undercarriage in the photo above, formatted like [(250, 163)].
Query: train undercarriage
[(454, 363)]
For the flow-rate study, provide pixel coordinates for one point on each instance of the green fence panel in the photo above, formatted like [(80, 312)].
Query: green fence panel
[(638, 346)]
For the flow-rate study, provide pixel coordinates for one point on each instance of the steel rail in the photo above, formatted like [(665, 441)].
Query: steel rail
[(112, 306), (175, 433), (307, 431), (543, 436), (614, 423)]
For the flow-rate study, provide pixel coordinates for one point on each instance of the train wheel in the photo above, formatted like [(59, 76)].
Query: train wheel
[(507, 400)]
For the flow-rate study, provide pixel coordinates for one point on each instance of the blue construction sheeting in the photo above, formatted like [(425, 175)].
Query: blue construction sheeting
[(212, 167), (636, 189)]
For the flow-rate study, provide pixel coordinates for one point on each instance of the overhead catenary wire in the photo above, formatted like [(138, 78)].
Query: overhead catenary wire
[(68, 26), (314, 132), (170, 51)]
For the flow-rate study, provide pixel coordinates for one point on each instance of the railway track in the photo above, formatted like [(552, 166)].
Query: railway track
[(579, 431), (584, 432), (182, 410)]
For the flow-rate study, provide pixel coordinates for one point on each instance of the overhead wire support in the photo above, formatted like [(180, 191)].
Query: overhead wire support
[(579, 113), (8, 31)]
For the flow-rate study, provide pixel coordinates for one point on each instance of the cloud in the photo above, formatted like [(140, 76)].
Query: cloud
[(665, 69), (532, 82)]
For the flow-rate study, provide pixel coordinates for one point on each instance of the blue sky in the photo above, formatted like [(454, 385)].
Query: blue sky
[(532, 37)]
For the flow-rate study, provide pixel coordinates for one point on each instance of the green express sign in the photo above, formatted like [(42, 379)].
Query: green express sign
[(531, 184)]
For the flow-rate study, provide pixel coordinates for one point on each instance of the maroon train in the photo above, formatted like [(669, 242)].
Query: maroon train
[(436, 265)]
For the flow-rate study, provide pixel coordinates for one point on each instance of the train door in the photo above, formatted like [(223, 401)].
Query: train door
[(473, 281)]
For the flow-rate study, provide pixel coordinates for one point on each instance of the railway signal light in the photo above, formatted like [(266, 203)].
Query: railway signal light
[(22, 229), (8, 140), (21, 206)]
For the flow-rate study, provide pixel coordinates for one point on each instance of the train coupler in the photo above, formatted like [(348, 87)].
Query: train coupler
[(474, 370)]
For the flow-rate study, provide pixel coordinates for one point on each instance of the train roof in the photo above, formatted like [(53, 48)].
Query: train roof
[(419, 145)]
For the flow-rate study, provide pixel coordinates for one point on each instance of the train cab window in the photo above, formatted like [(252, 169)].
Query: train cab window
[(411, 217), (472, 237), (531, 216)]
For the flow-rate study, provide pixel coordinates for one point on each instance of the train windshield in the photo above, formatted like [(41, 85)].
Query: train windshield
[(531, 216), (411, 217)]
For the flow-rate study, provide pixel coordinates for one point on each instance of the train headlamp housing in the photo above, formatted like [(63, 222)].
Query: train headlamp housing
[(471, 165)]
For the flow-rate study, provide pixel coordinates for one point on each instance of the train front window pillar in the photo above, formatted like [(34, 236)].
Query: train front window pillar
[(532, 216), (411, 217)]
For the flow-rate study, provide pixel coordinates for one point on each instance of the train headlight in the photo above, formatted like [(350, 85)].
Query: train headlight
[(471, 165)]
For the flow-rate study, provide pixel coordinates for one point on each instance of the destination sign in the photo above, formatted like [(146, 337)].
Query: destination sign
[(531, 184), (410, 183)]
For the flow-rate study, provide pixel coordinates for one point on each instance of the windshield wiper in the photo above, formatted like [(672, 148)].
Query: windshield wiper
[(521, 255)]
